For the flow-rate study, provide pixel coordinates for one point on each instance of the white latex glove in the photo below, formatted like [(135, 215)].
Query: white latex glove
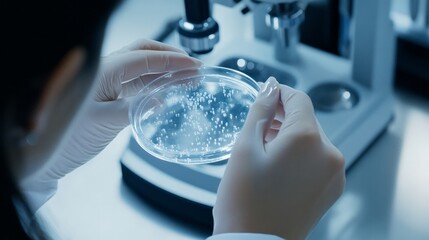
[(283, 174), (106, 114)]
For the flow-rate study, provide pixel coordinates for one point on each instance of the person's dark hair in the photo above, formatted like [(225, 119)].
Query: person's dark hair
[(35, 37)]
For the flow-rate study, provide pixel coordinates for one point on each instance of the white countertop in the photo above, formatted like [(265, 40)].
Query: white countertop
[(386, 195)]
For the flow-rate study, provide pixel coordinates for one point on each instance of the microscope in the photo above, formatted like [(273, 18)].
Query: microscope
[(352, 97), (280, 20)]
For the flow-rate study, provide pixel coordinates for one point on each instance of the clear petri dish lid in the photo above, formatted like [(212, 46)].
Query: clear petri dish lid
[(192, 116)]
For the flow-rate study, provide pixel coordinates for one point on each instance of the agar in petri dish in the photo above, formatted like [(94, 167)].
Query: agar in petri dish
[(192, 116)]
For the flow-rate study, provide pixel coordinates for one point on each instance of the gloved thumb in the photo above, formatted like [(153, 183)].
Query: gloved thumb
[(261, 113)]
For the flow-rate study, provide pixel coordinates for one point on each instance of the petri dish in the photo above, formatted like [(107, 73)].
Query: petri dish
[(192, 116)]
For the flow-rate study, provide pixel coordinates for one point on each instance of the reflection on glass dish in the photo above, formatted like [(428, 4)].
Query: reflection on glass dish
[(192, 115)]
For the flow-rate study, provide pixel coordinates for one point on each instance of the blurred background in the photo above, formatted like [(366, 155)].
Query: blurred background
[(332, 20)]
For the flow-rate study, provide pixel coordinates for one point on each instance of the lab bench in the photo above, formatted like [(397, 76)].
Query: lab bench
[(386, 194)]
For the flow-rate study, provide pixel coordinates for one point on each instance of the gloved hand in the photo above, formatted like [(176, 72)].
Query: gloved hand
[(283, 173), (121, 75)]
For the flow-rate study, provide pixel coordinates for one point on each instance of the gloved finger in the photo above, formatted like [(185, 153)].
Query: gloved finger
[(140, 62), (147, 44), (271, 134), (280, 111), (299, 117), (127, 67), (276, 124), (131, 88), (261, 114), (274, 130), (298, 108)]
